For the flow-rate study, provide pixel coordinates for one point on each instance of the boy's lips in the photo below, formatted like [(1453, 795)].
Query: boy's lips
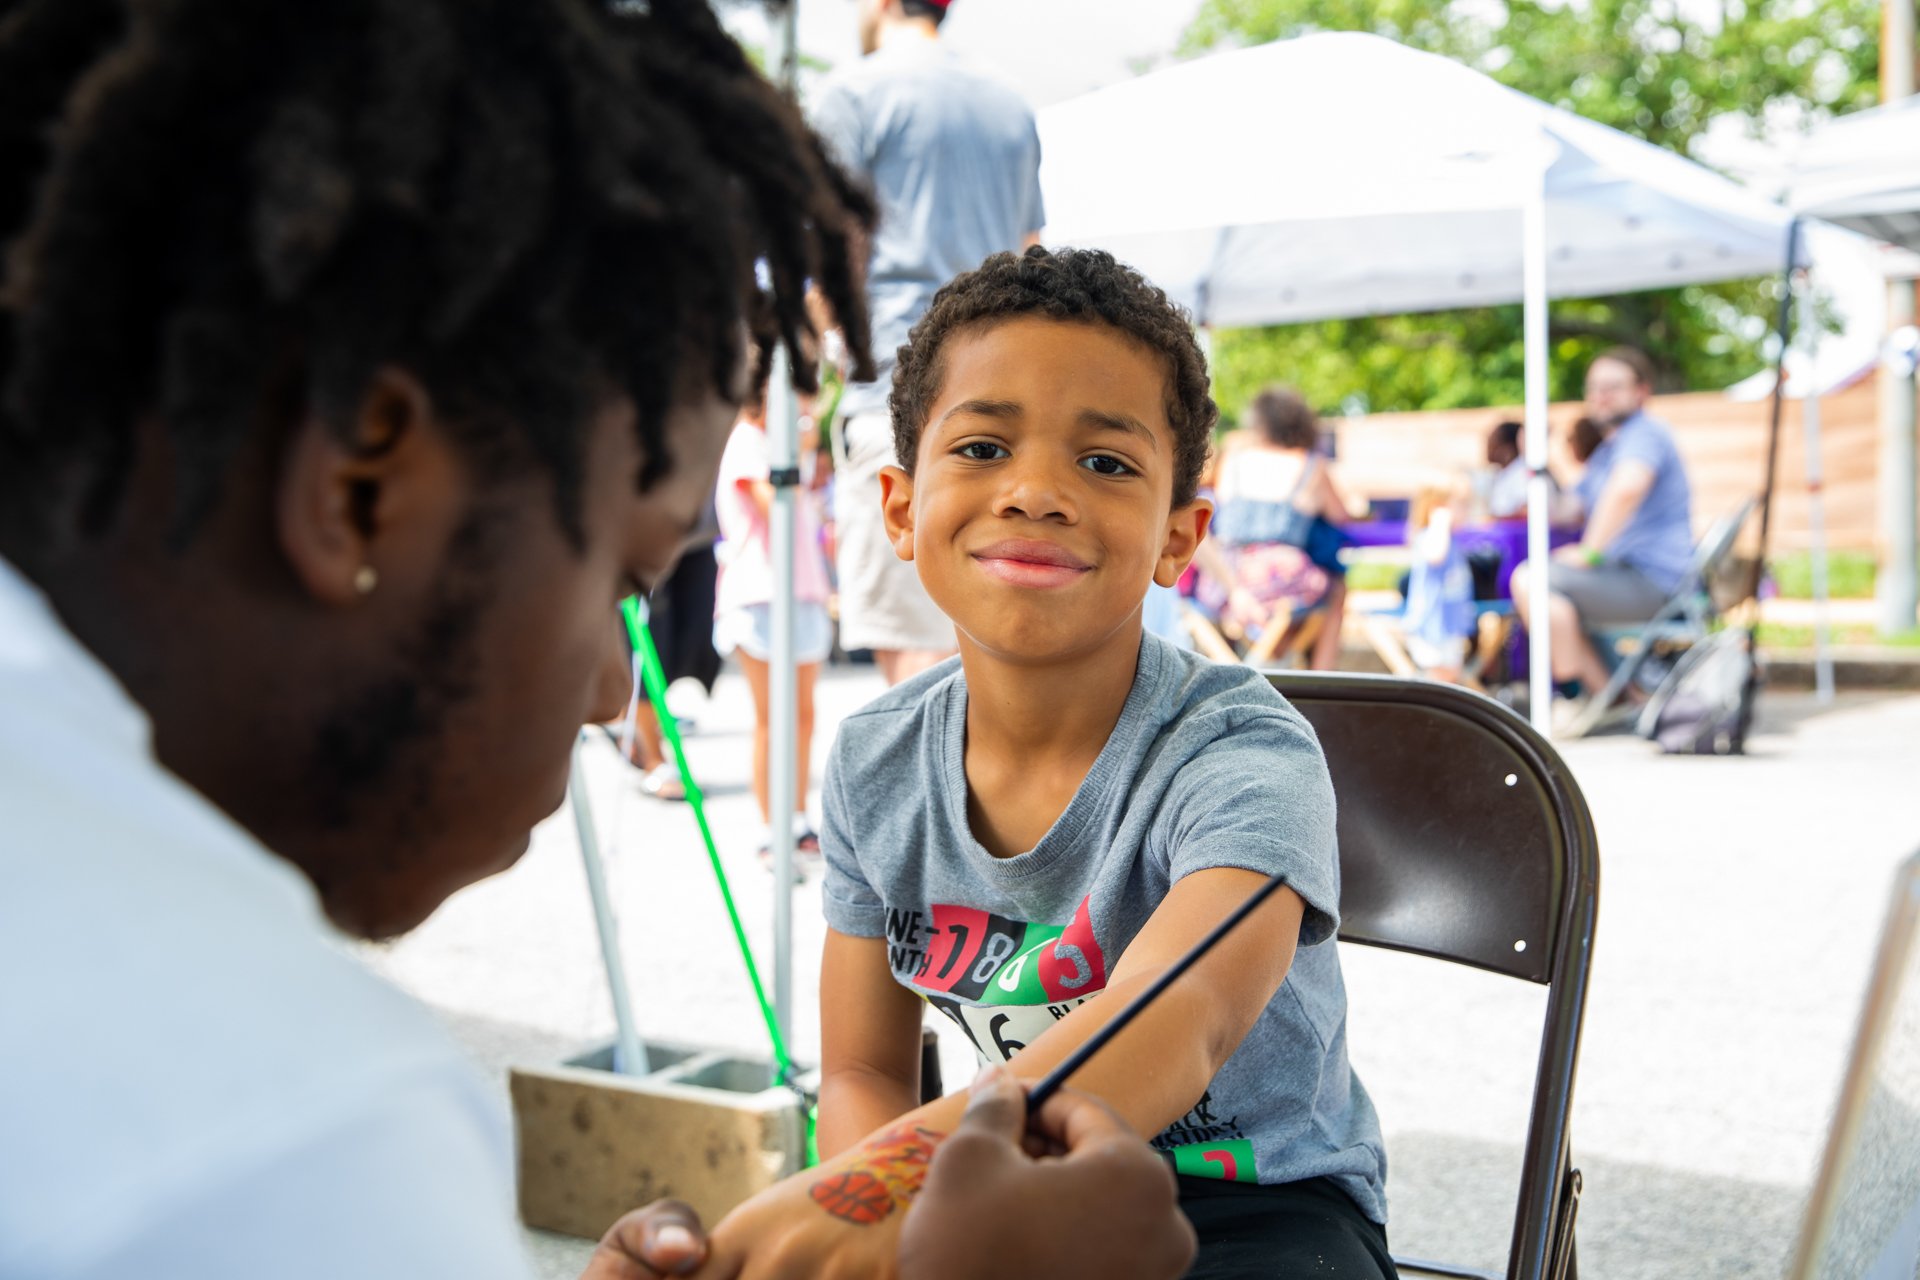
[(1027, 562)]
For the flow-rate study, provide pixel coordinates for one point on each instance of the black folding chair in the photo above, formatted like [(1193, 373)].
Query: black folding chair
[(1464, 837)]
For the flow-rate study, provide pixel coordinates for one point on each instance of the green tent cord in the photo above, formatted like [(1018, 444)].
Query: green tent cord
[(655, 680)]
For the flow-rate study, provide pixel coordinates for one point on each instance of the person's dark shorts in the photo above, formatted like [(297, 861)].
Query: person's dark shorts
[(1607, 595), (1309, 1228)]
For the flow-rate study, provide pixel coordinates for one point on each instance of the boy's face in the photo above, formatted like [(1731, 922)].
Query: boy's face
[(1041, 501)]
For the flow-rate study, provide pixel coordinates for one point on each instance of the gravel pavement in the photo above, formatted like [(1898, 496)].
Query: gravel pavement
[(1739, 903)]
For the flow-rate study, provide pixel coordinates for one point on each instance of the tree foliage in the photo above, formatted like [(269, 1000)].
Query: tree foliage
[(1658, 69)]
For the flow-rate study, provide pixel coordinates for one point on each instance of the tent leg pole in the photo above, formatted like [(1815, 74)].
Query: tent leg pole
[(1816, 503), (1897, 590), (783, 712), (784, 791), (630, 1056), (1533, 240)]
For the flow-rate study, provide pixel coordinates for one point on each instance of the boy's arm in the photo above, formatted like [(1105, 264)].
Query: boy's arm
[(1150, 1075), (1154, 1071), (869, 1041), (1003, 1193)]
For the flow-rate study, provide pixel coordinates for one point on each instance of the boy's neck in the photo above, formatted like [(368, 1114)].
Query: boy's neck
[(1048, 713)]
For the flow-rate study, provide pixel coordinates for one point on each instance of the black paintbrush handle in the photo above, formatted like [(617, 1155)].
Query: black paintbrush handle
[(1051, 1082)]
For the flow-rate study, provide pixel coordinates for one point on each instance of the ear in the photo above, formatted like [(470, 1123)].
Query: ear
[(1186, 527), (896, 509), (375, 506)]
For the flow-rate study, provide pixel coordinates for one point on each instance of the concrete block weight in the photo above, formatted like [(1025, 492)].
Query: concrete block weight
[(704, 1127)]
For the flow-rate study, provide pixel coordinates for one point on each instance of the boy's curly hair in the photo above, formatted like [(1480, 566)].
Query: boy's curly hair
[(1085, 285)]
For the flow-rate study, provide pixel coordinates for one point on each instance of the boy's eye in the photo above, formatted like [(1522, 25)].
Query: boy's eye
[(982, 450), (1102, 464)]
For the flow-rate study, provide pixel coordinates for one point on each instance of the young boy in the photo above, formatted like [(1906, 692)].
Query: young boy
[(1067, 807)]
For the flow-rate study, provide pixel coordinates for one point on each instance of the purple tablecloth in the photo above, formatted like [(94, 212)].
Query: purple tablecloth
[(1507, 537)]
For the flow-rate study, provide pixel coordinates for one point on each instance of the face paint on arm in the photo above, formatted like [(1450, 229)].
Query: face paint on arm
[(884, 1175)]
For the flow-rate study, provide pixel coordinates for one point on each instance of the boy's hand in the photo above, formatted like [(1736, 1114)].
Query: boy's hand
[(663, 1239), (1107, 1206)]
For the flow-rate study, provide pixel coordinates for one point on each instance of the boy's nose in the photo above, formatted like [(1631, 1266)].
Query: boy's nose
[(1036, 489)]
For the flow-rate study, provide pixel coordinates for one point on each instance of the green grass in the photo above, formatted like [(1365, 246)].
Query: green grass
[(1374, 575), (1849, 575), (1775, 636)]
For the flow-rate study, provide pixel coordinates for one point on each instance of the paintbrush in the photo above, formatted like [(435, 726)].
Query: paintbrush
[(1051, 1082)]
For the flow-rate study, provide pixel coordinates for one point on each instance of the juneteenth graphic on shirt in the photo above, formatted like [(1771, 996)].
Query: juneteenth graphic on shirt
[(1004, 982)]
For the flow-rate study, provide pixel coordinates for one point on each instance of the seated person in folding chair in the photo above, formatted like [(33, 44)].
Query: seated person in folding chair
[(1639, 534), (1029, 835), (1276, 501)]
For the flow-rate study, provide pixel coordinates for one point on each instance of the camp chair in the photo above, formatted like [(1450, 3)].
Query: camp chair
[(1493, 624), (1288, 635), (1463, 837), (1681, 622)]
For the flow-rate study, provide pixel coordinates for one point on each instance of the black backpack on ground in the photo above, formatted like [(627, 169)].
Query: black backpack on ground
[(1704, 707)]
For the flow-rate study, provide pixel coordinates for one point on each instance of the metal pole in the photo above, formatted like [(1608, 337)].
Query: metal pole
[(1816, 504), (1897, 590), (783, 789), (629, 1055), (1533, 249)]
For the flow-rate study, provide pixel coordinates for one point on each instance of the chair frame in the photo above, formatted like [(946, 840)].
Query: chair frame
[(1682, 621), (1491, 628), (1542, 1242), (1288, 632)]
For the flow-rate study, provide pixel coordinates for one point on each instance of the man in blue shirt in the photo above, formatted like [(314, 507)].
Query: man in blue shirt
[(1639, 534), (953, 158)]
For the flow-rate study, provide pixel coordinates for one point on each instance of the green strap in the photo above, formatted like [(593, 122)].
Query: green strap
[(655, 680)]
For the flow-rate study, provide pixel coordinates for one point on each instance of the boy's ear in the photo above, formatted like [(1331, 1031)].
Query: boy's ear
[(1186, 526), (896, 509)]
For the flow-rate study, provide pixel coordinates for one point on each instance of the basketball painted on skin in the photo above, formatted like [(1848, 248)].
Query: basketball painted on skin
[(854, 1196)]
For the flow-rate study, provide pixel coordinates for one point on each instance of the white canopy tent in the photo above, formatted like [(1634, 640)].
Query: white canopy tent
[(1344, 174), (1863, 172)]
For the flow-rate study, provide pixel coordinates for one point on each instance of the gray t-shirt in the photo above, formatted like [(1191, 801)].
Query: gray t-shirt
[(1207, 767), (954, 159), (1658, 537)]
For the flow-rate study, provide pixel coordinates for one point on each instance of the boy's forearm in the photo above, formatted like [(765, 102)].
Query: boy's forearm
[(855, 1102), (1152, 1073)]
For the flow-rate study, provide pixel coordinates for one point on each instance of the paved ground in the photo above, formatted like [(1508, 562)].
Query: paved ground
[(1740, 898)]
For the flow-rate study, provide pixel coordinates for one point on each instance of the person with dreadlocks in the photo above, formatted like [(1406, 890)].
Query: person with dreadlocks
[(355, 359)]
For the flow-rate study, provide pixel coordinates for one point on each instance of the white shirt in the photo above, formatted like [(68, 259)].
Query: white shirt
[(1507, 495), (196, 1080)]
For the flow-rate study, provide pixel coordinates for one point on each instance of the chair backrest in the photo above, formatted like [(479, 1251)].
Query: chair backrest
[(1714, 547), (1464, 837)]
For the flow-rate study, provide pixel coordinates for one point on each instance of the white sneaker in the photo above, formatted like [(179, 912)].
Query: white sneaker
[(1567, 716)]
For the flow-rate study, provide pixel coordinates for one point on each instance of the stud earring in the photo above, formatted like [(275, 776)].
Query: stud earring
[(365, 579)]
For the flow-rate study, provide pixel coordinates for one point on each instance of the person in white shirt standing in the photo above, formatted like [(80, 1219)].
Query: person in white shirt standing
[(355, 359)]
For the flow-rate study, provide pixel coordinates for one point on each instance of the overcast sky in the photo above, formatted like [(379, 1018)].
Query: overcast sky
[(1047, 49)]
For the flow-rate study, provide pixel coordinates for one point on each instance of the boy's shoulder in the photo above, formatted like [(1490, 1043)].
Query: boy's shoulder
[(1197, 686), (877, 727)]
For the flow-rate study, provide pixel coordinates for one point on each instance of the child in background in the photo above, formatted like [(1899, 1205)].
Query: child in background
[(743, 604), (1026, 836), (1439, 619)]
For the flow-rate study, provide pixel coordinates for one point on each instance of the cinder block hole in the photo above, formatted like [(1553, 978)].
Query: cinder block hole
[(732, 1075)]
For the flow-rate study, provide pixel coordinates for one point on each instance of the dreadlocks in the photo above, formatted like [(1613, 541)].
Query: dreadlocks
[(221, 215)]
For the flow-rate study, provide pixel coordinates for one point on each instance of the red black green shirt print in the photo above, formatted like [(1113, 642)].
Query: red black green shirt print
[(1005, 981)]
